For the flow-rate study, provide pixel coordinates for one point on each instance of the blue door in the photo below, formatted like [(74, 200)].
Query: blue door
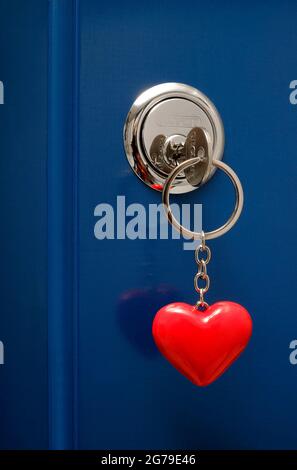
[(81, 369)]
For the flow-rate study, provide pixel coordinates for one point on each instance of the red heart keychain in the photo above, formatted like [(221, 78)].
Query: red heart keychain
[(202, 344), (202, 341)]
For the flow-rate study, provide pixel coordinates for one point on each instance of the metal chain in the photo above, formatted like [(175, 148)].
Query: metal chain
[(202, 258)]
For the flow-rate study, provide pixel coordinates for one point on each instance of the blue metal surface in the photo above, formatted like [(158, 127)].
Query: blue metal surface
[(62, 162), (97, 375), (241, 54), (23, 202)]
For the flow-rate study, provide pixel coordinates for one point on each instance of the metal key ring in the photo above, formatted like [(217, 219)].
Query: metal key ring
[(230, 222)]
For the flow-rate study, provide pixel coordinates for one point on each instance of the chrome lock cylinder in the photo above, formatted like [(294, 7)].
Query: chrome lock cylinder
[(167, 125)]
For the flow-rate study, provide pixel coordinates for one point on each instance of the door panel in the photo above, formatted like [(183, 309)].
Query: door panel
[(240, 55), (81, 369), (23, 208)]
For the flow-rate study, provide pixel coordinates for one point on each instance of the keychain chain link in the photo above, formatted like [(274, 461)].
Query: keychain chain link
[(202, 258)]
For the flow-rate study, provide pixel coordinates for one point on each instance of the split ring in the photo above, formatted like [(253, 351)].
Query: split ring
[(227, 225)]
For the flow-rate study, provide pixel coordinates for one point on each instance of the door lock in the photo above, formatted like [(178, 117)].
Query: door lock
[(167, 125)]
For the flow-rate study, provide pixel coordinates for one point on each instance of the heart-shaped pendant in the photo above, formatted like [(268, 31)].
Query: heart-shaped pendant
[(202, 344)]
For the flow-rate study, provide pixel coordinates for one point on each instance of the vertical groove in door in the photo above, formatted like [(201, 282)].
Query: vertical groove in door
[(76, 100), (62, 221)]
